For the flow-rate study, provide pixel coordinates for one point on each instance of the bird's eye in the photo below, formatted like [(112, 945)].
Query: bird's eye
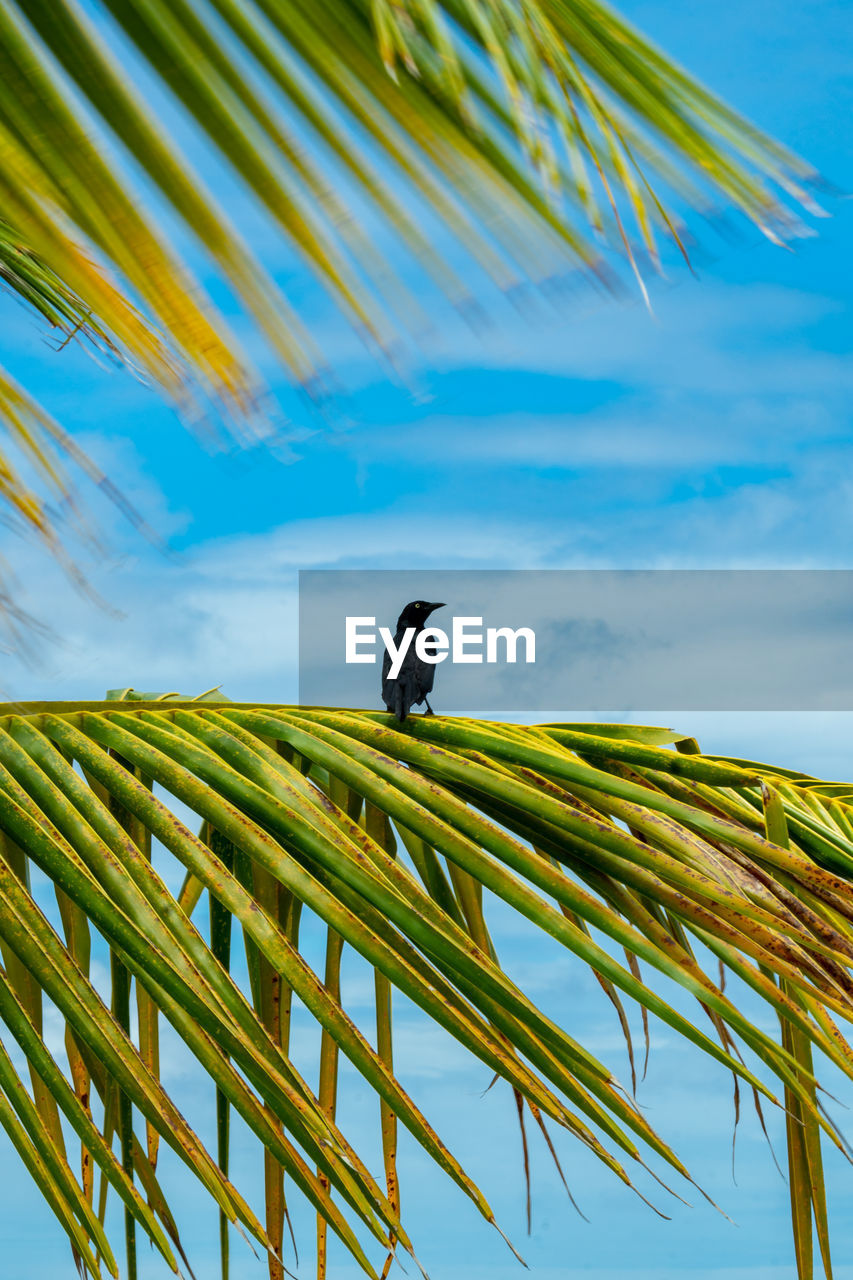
[(417, 606)]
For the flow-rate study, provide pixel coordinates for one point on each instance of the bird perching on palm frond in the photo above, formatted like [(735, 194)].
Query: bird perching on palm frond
[(407, 674)]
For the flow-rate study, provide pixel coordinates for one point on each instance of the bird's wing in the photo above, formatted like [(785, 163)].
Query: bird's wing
[(426, 676)]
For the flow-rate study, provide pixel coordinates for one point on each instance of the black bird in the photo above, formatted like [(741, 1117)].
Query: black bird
[(415, 677)]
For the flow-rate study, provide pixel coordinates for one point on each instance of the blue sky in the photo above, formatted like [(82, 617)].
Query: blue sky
[(715, 433)]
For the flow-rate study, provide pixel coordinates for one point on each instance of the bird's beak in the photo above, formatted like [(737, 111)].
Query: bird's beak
[(433, 607)]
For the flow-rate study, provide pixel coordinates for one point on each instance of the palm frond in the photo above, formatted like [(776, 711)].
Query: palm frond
[(377, 137), (399, 841)]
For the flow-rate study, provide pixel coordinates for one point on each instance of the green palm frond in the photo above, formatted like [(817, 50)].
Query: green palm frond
[(399, 841), (376, 137)]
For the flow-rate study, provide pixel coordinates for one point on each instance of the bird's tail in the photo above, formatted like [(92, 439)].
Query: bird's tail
[(400, 707)]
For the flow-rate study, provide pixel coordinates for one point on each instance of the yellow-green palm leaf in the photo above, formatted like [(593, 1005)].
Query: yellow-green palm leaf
[(528, 136), (397, 840)]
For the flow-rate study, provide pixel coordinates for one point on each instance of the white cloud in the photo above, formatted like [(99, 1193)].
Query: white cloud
[(225, 611), (673, 435)]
